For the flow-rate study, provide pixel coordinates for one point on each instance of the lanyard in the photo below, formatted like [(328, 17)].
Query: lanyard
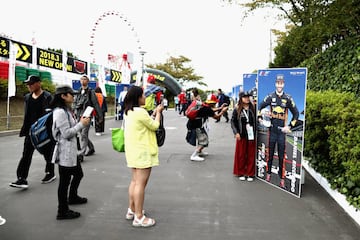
[(247, 117)]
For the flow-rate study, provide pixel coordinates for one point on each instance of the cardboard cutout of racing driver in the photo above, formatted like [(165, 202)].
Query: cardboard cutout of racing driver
[(280, 128)]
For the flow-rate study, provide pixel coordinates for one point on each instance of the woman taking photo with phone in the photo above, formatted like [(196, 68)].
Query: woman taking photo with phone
[(141, 151)]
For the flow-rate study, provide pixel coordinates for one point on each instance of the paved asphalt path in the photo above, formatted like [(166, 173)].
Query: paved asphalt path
[(189, 200)]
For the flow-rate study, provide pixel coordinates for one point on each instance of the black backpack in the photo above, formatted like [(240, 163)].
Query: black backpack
[(226, 99)]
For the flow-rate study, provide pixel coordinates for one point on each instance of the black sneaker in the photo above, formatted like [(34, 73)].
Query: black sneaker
[(70, 214), (48, 178), (20, 183), (77, 200)]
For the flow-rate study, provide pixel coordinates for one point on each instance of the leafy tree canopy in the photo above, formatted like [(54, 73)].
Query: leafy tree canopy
[(180, 68), (315, 25)]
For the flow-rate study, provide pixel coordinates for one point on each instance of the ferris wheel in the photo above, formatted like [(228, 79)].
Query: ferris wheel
[(97, 24)]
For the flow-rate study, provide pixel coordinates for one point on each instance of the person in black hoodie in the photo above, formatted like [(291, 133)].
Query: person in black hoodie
[(36, 105)]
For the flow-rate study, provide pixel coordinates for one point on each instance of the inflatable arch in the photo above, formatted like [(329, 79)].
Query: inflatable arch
[(170, 82)]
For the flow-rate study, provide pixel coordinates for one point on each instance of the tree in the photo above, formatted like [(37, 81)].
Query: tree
[(180, 68), (316, 25), (298, 12)]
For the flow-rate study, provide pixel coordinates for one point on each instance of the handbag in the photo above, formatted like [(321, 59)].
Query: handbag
[(191, 137), (160, 132), (118, 139)]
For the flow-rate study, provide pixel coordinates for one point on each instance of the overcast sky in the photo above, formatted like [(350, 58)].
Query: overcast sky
[(221, 47)]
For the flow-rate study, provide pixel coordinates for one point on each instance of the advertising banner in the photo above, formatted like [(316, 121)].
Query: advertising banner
[(250, 81), (280, 128), (24, 51)]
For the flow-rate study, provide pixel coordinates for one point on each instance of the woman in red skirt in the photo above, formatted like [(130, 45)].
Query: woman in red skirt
[(243, 126)]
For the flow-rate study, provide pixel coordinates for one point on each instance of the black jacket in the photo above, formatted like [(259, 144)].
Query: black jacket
[(45, 107)]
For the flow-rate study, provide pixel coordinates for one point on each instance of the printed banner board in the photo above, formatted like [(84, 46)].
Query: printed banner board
[(235, 92), (24, 51), (76, 84), (250, 82), (280, 128)]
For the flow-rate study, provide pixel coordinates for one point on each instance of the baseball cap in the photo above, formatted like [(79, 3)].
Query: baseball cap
[(280, 77), (32, 79), (244, 94)]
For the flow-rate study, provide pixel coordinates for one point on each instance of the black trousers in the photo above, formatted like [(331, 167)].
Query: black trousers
[(277, 137), (69, 176), (25, 161), (100, 124)]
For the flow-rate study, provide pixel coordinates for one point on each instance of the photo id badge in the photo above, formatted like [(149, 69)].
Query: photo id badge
[(250, 132)]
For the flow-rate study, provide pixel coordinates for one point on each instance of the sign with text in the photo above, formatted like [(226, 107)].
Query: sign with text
[(76, 66), (54, 60), (49, 59), (24, 51)]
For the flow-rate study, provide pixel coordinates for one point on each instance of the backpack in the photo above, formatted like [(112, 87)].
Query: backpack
[(41, 133), (226, 99), (192, 109)]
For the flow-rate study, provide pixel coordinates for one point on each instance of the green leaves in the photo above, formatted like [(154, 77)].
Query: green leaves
[(332, 139), (180, 68)]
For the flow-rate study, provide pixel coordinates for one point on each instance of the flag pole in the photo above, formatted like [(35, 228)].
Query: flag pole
[(11, 80)]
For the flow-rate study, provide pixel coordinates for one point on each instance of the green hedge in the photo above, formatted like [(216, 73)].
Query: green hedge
[(332, 140), (337, 68)]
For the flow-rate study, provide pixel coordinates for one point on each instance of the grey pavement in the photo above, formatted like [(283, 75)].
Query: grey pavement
[(189, 200)]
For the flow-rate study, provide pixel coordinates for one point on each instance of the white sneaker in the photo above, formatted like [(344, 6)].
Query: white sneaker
[(2, 220), (196, 158), (242, 178), (98, 134), (250, 179), (203, 154)]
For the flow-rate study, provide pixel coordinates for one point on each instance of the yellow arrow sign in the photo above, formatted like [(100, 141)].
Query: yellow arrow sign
[(115, 76), (23, 52), (27, 53), (19, 51)]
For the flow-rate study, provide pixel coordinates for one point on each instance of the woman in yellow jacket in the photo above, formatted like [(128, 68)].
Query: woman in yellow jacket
[(141, 151)]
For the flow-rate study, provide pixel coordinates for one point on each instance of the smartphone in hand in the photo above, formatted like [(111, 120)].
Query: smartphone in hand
[(88, 111)]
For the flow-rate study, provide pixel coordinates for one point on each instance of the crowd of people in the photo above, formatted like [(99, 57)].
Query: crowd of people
[(141, 112)]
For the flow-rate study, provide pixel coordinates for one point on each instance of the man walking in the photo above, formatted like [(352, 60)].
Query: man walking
[(86, 97), (36, 103), (183, 102)]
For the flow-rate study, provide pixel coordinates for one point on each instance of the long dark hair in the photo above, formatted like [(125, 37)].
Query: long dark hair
[(131, 99), (240, 106), (58, 101)]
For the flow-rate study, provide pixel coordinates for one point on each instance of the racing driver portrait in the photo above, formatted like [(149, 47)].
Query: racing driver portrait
[(279, 102)]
